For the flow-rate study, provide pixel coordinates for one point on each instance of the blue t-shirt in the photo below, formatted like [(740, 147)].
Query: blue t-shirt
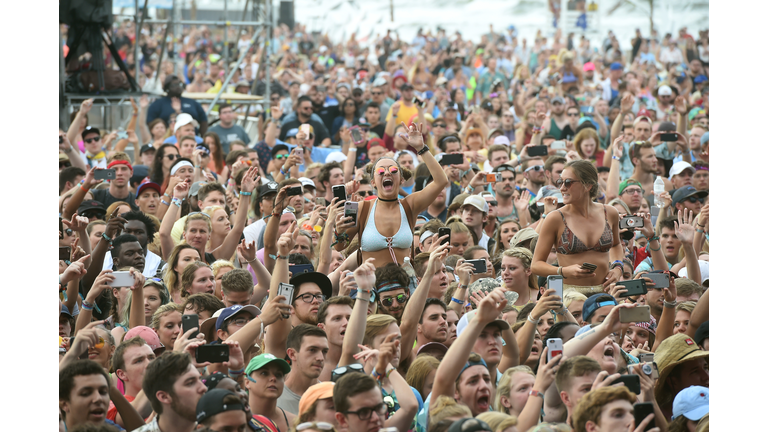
[(161, 108), (318, 154)]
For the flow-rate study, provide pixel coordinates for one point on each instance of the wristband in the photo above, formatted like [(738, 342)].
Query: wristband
[(86, 306), (245, 193), (533, 321), (166, 194), (106, 237), (560, 273), (390, 370), (655, 237), (274, 257), (84, 189), (617, 263), (703, 226), (251, 260), (237, 373), (670, 304), (654, 250), (352, 149), (281, 257), (615, 158), (700, 231), (197, 166), (177, 202), (536, 393), (162, 201), (462, 286), (423, 150), (455, 300)]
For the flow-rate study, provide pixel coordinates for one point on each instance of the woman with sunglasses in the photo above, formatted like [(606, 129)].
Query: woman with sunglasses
[(165, 155), (382, 235), (582, 232)]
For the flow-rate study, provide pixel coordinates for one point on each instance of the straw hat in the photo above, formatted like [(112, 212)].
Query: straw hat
[(673, 351)]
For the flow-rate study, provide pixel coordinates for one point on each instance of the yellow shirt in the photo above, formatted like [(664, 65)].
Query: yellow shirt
[(404, 114)]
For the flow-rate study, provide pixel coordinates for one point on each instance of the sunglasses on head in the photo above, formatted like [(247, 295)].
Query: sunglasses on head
[(341, 371), (94, 139), (393, 170), (172, 156), (567, 182), (400, 299), (204, 214)]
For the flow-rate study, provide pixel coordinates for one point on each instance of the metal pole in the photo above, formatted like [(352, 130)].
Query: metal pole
[(63, 105), (229, 77), (205, 22), (136, 40), (162, 51), (226, 39), (267, 46), (177, 18)]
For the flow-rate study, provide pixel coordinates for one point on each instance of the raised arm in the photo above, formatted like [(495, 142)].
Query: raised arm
[(702, 227), (72, 152), (114, 227), (136, 317), (80, 192), (582, 344), (464, 270), (324, 261), (74, 128), (86, 312), (614, 175), (247, 186), (365, 278), (666, 325), (415, 307), (409, 406), (685, 232), (545, 377), (420, 200), (276, 339), (146, 135), (627, 101), (389, 128), (271, 229), (699, 315), (167, 244), (657, 256)]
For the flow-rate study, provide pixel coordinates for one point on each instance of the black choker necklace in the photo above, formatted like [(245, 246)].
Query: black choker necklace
[(388, 200)]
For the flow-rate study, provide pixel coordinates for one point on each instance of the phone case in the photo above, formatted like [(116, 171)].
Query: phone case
[(641, 411), (631, 222), (104, 174), (340, 192), (451, 159), (443, 231), (589, 266), (122, 279), (350, 209), (189, 322), (661, 280), (212, 353), (479, 264), (634, 287), (554, 348), (537, 150), (556, 283), (631, 381), (286, 290), (635, 315)]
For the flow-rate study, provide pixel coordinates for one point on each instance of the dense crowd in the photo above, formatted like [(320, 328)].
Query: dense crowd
[(434, 235)]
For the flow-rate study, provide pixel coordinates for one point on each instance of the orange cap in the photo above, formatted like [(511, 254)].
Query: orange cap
[(323, 390)]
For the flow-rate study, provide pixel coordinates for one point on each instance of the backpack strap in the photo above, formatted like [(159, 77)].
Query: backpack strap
[(362, 219), (411, 220)]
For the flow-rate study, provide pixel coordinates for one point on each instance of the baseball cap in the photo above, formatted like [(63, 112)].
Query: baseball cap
[(212, 403), (320, 279), (375, 142), (65, 311), (184, 119), (149, 336), (291, 133), (692, 403), (644, 113), (558, 99), (685, 192), (145, 148), (279, 147), (91, 206), (523, 235), (589, 66), (321, 390), (262, 360), (336, 156), (591, 305), (233, 310), (464, 322), (90, 130), (148, 185), (432, 346), (380, 81), (406, 85), (267, 189), (665, 90), (139, 174), (549, 191), (704, 138), (616, 66), (477, 202), (679, 167), (195, 188), (440, 81), (623, 185), (502, 139), (208, 327), (704, 269), (212, 380), (702, 333), (307, 182), (666, 126), (487, 105), (469, 425)]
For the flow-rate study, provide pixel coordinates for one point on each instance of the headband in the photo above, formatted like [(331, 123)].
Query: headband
[(425, 235), (180, 165), (390, 285), (471, 363), (120, 162)]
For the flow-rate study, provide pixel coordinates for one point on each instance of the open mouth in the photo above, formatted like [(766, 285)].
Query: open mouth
[(483, 403), (387, 184), (98, 413), (608, 351), (535, 350)]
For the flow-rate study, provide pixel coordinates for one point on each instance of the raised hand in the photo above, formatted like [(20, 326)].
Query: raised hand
[(287, 240), (521, 202), (618, 146), (387, 351), (681, 107), (627, 101), (684, 226), (492, 305), (247, 250), (414, 137), (181, 190), (364, 275), (275, 310), (86, 106), (464, 271), (144, 102), (250, 180)]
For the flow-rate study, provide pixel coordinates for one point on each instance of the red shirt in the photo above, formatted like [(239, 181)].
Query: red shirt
[(112, 411)]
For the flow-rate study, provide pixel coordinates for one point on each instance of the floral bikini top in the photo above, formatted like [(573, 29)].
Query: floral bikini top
[(569, 244)]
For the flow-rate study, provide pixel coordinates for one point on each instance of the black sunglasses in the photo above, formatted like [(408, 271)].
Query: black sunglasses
[(694, 199), (340, 371), (365, 193), (567, 182), (400, 298), (90, 140), (172, 156)]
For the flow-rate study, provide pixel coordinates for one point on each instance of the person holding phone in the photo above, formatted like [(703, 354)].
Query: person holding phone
[(382, 236), (597, 241)]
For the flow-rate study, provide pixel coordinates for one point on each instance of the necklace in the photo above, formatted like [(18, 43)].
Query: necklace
[(388, 200)]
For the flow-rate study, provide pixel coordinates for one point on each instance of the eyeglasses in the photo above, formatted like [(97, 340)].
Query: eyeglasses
[(309, 297), (535, 168), (633, 191), (281, 156), (204, 214), (694, 199), (400, 299), (393, 170), (172, 156), (340, 371), (365, 413), (365, 193), (315, 425), (567, 182)]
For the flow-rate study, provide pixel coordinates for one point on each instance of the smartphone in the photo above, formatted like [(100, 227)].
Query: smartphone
[(189, 322), (122, 279), (104, 174), (661, 280), (299, 152), (588, 266), (649, 369), (557, 145), (646, 357), (588, 110), (631, 381), (65, 253), (212, 353), (442, 232), (357, 135), (668, 137), (292, 191), (634, 287), (122, 135), (643, 410), (540, 150), (286, 290), (635, 315), (350, 210), (320, 201), (305, 128), (340, 192), (452, 159), (479, 264), (631, 222), (301, 268), (555, 283), (554, 348), (490, 178)]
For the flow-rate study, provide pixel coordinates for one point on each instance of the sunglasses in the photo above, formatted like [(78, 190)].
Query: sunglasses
[(100, 343), (400, 299), (493, 203), (376, 93), (694, 199), (172, 156), (281, 156), (502, 168), (567, 182), (440, 125), (535, 168), (90, 140), (393, 170), (365, 193), (340, 371)]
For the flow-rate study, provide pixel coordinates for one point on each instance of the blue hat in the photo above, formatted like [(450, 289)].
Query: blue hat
[(471, 363), (591, 305), (692, 403), (65, 311), (291, 133), (704, 138), (232, 310), (700, 79), (616, 66)]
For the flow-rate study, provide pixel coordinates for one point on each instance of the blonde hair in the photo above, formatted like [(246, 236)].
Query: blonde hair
[(163, 311), (420, 370), (374, 325), (220, 264), (526, 258), (572, 296), (686, 306), (505, 386), (113, 206), (497, 421), (444, 407), (172, 278), (198, 216)]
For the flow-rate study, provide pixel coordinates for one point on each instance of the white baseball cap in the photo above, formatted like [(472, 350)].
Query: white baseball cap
[(307, 182), (336, 156), (184, 119), (665, 90), (477, 202), (679, 167)]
